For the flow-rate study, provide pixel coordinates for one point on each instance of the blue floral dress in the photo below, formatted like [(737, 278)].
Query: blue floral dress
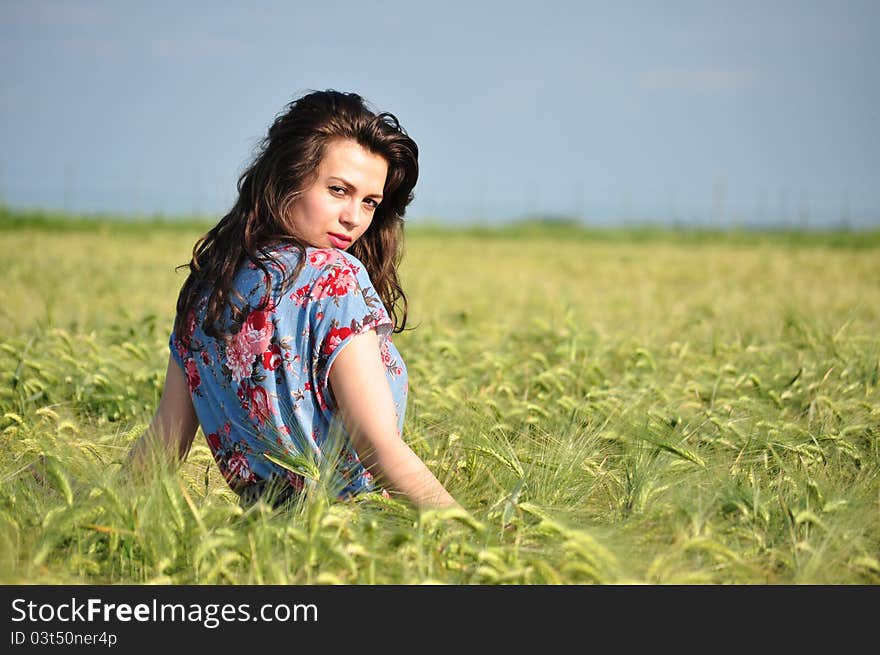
[(262, 394)]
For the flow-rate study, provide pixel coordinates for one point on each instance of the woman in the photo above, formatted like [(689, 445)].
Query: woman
[(281, 347)]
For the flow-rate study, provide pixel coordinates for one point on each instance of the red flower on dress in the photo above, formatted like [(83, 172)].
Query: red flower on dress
[(190, 327), (214, 443), (269, 301), (258, 405), (182, 352), (301, 295), (339, 282), (334, 338), (343, 281), (272, 358), (192, 374), (322, 404), (386, 356), (295, 480)]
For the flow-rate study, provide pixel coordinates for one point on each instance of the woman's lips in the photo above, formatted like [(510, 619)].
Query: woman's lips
[(339, 240)]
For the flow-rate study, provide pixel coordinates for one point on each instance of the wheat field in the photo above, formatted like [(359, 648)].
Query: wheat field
[(610, 408)]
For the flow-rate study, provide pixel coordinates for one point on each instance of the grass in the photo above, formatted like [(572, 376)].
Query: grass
[(611, 407)]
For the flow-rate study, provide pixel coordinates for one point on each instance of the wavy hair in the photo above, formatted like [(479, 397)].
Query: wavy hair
[(284, 167)]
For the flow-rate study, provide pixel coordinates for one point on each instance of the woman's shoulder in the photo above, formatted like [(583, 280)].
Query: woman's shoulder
[(331, 263), (330, 258), (317, 260), (310, 271)]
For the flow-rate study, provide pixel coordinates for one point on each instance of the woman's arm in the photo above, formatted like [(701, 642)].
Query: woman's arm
[(363, 396), (174, 424)]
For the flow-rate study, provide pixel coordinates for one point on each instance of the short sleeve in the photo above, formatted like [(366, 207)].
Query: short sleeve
[(342, 304), (176, 350), (180, 348)]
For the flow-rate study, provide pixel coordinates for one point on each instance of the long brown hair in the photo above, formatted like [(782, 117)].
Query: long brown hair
[(284, 167)]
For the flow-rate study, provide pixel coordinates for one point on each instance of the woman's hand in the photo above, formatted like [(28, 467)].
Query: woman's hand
[(357, 378)]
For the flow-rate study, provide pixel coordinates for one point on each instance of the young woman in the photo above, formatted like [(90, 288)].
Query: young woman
[(281, 348)]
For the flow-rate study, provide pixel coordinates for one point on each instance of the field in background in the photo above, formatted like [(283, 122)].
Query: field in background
[(630, 406)]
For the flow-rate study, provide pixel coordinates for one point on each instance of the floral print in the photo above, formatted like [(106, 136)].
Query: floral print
[(251, 341), (262, 392)]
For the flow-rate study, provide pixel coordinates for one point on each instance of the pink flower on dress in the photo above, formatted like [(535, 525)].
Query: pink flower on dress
[(251, 341), (239, 359), (321, 289), (257, 331), (389, 362), (237, 465), (320, 258)]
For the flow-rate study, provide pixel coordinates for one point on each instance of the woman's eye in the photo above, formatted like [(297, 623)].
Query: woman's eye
[(338, 190), (371, 203)]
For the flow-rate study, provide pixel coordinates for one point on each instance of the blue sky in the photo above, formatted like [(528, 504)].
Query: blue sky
[(703, 112)]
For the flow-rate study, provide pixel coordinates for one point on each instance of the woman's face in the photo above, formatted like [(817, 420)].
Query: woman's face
[(338, 208)]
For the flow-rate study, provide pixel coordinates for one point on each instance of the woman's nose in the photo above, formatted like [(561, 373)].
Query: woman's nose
[(350, 216)]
